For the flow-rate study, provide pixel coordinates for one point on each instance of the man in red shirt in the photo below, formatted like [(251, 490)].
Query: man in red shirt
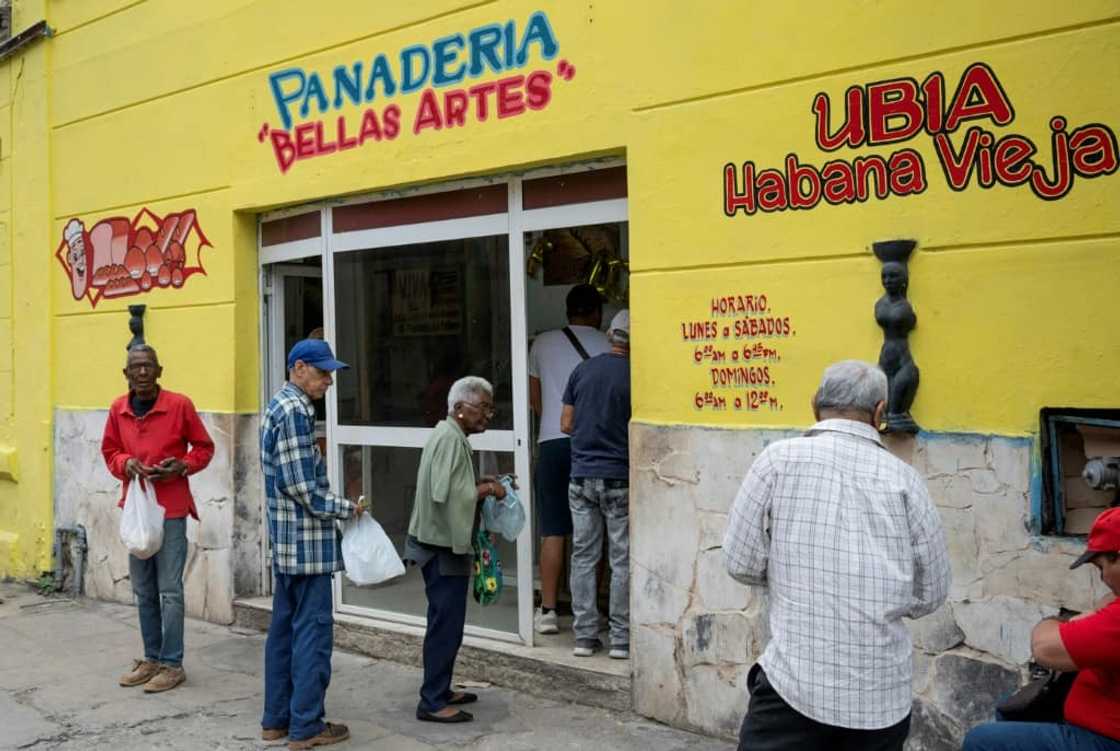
[(156, 435), (1089, 644)]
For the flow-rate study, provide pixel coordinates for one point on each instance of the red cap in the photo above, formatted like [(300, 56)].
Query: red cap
[(1104, 537)]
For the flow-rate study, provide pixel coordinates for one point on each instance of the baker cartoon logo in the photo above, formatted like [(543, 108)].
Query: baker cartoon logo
[(118, 257)]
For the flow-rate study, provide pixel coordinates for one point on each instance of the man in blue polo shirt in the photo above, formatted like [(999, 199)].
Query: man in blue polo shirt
[(596, 415)]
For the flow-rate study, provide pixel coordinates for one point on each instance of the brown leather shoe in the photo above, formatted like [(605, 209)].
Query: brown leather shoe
[(273, 734), (166, 679), (142, 672), (332, 733)]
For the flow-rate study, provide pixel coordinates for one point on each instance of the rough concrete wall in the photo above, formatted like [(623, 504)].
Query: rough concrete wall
[(696, 632), (223, 540), (249, 492)]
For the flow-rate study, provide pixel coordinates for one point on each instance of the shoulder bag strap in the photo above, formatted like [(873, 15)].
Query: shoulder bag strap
[(575, 342)]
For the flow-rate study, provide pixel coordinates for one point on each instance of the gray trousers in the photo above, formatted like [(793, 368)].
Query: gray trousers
[(596, 503)]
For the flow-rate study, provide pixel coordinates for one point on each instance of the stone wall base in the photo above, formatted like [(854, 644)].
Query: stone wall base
[(224, 556)]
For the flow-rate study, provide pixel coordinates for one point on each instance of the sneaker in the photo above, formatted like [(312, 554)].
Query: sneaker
[(546, 623), (166, 679), (332, 733), (620, 652), (142, 672), (587, 647)]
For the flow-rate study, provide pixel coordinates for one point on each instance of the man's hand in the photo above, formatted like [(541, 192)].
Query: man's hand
[(135, 468), (169, 468), (359, 507)]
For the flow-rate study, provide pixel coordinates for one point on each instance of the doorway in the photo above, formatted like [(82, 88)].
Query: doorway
[(421, 288), (292, 299)]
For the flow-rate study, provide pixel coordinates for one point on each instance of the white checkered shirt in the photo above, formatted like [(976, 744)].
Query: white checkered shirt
[(846, 538)]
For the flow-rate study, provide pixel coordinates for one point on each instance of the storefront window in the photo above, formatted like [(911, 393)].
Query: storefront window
[(386, 476), (412, 319)]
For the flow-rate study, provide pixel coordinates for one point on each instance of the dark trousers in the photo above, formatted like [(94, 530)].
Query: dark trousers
[(773, 725), (297, 654), (447, 614)]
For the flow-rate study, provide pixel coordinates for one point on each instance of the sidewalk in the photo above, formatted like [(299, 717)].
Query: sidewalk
[(60, 659)]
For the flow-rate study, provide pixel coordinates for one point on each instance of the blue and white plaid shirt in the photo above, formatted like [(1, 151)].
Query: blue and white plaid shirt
[(301, 507)]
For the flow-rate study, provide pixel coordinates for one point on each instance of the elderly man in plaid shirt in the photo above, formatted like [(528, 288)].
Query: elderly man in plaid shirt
[(846, 540), (302, 512)]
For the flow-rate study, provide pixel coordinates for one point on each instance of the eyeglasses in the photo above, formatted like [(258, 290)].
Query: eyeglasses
[(486, 409)]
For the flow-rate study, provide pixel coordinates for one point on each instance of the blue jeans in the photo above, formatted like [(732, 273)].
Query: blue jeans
[(158, 585), (1035, 736), (297, 654), (447, 614), (598, 503)]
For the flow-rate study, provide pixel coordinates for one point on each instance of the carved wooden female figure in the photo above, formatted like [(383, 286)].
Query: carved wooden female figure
[(896, 317)]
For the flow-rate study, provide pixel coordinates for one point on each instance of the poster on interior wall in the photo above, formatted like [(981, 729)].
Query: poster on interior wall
[(426, 302), (121, 257)]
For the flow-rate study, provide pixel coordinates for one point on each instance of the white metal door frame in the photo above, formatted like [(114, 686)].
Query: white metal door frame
[(513, 223), (271, 337)]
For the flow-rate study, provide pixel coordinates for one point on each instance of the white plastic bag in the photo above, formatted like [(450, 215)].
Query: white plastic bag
[(368, 552), (142, 520), (505, 516)]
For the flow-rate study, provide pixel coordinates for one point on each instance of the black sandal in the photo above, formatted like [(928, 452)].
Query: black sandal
[(459, 716), (465, 697)]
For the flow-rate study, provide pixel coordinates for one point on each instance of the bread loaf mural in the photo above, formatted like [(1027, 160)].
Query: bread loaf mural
[(117, 257)]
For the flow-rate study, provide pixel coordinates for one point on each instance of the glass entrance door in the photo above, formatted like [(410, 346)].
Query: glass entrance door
[(415, 308), (293, 299)]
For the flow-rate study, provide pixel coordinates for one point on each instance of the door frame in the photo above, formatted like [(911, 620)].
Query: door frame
[(274, 262), (514, 223)]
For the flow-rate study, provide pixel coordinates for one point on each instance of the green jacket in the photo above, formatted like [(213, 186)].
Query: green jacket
[(446, 490)]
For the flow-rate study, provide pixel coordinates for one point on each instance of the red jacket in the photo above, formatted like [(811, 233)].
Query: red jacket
[(1094, 644), (163, 433)]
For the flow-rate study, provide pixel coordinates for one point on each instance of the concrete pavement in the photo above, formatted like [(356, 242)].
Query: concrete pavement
[(60, 659)]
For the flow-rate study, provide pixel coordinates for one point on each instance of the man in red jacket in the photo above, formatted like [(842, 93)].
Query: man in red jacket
[(155, 435), (1088, 643)]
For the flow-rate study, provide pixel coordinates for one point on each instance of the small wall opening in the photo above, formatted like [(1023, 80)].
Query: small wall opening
[(1080, 468)]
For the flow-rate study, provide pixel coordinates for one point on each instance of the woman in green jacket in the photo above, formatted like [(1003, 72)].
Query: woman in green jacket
[(444, 515)]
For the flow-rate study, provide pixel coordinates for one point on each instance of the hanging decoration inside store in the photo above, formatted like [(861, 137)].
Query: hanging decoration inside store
[(432, 71), (896, 317), (898, 110), (119, 257), (582, 255)]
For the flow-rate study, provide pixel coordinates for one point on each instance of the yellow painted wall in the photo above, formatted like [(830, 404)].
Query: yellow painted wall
[(158, 104), (25, 308)]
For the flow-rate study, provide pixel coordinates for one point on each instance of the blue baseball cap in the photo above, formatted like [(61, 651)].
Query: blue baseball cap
[(314, 352)]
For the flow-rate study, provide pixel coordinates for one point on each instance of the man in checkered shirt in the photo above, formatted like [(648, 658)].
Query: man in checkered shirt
[(302, 512), (847, 542)]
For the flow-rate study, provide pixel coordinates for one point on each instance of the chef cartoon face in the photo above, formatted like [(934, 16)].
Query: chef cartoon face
[(78, 256), (76, 243), (76, 253)]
